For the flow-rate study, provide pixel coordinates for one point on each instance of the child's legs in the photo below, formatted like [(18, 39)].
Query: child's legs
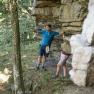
[(59, 66), (62, 63), (41, 54), (44, 56), (64, 70), (43, 60), (40, 59)]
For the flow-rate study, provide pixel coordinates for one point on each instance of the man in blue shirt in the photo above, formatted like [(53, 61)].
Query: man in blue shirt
[(47, 38)]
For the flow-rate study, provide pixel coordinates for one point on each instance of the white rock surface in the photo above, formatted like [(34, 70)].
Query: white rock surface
[(82, 54), (88, 26), (81, 49), (80, 66), (78, 77)]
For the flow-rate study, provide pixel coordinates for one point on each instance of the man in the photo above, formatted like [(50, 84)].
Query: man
[(47, 38)]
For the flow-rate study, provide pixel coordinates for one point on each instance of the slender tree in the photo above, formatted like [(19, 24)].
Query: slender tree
[(17, 66)]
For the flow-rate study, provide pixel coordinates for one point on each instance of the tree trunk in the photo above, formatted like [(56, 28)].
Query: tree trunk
[(17, 67)]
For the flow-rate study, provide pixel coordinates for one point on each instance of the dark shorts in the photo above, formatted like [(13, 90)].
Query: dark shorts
[(42, 51)]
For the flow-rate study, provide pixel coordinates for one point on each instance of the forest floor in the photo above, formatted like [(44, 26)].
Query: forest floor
[(37, 82)]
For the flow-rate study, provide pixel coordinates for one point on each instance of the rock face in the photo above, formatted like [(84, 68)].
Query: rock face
[(72, 14), (82, 72), (68, 14)]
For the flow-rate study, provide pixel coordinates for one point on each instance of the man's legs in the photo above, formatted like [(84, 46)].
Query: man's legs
[(62, 63), (43, 61), (39, 61), (59, 67), (42, 57)]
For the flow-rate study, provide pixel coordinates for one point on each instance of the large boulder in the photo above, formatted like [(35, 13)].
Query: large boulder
[(82, 72)]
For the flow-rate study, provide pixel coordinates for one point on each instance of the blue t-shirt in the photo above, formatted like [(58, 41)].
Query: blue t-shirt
[(47, 37)]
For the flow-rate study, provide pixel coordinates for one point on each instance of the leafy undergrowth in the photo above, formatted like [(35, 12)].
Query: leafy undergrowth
[(41, 82)]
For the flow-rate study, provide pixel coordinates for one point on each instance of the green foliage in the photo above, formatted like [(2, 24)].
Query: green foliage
[(5, 36), (4, 7), (26, 23), (25, 3)]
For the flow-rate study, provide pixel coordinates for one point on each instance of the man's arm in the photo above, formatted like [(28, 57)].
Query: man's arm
[(61, 34), (38, 31), (57, 34)]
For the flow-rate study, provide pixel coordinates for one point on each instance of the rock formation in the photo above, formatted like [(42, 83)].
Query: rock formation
[(67, 15), (82, 45)]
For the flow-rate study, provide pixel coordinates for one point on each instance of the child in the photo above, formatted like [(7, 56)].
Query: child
[(47, 37), (62, 62)]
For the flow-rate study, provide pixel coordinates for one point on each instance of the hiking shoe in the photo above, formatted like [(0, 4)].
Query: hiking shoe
[(65, 78), (44, 68), (54, 76), (37, 67)]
